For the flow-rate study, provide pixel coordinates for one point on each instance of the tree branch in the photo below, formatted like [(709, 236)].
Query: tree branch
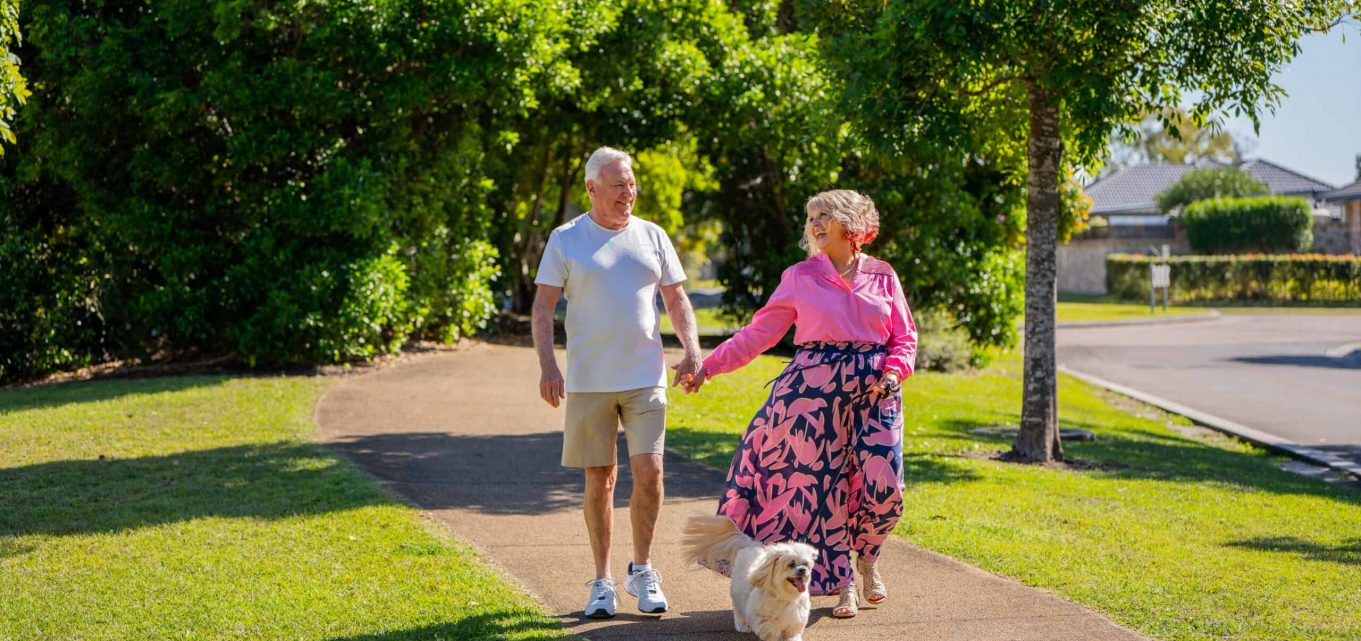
[(994, 84)]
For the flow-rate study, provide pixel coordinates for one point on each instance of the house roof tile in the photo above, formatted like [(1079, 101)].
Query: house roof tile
[(1284, 181), (1134, 190), (1350, 192)]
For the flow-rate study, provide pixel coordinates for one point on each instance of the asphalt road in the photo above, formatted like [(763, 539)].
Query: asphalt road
[(1273, 373)]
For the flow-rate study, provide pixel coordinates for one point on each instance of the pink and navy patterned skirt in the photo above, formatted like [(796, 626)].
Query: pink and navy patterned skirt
[(820, 463)]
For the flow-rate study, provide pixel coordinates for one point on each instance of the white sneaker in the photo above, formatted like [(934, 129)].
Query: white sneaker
[(603, 599), (646, 584)]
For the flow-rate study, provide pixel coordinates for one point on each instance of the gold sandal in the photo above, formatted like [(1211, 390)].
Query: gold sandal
[(875, 590), (849, 605)]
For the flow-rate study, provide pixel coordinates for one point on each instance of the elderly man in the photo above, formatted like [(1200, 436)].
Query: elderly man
[(610, 266)]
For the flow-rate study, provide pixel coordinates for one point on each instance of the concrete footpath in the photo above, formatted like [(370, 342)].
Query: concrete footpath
[(464, 436)]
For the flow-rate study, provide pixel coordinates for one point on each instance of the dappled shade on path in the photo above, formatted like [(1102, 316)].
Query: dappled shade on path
[(494, 473), (465, 436)]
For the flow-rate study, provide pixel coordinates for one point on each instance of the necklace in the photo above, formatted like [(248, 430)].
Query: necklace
[(850, 267)]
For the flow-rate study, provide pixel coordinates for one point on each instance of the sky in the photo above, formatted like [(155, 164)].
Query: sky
[(1316, 129)]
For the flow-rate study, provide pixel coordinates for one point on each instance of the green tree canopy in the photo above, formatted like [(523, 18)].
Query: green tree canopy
[(292, 182), (1181, 141), (13, 88), (995, 77), (649, 100), (1209, 182)]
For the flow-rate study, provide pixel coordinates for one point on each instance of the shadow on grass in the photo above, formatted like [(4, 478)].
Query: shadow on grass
[(77, 392), (1156, 456), (501, 474), (1348, 553), (96, 496), (478, 627)]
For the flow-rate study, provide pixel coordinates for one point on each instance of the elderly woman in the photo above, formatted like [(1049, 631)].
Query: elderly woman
[(821, 462)]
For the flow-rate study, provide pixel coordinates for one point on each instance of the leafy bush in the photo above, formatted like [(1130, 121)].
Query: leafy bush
[(296, 182), (941, 345), (47, 321), (1237, 225), (1311, 278), (1210, 182), (291, 182), (13, 87)]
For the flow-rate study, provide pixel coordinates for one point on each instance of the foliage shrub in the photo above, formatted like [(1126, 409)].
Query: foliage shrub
[(1281, 278), (299, 182), (46, 321), (1207, 183), (13, 87), (942, 346), (1239, 225), (291, 182), (951, 227)]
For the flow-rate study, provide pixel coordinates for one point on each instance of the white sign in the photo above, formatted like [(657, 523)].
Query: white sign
[(1162, 275), (1159, 277)]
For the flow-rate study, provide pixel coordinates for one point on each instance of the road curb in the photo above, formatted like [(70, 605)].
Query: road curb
[(1163, 320), (1237, 430), (1347, 353)]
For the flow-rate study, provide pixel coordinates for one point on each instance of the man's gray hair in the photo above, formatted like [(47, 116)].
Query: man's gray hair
[(605, 156)]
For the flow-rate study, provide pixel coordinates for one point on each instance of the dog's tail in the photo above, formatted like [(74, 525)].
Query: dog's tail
[(713, 539)]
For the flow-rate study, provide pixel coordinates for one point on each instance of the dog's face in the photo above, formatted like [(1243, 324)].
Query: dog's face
[(785, 567)]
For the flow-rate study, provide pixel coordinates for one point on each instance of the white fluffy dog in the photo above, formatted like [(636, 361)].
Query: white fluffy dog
[(769, 582)]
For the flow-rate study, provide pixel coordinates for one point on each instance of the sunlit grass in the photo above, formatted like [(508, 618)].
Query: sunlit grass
[(200, 508), (1077, 308), (1179, 537), (708, 322)]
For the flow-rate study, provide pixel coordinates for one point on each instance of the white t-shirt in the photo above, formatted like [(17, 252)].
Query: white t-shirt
[(610, 280)]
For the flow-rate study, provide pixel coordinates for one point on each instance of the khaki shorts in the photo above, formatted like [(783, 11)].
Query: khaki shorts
[(593, 419)]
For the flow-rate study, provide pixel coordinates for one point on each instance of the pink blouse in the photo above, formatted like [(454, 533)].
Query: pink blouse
[(812, 296)]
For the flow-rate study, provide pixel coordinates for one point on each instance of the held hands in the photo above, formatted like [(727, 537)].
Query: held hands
[(551, 385), (690, 374)]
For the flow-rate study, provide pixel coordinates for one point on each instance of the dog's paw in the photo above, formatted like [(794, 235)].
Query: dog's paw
[(740, 625)]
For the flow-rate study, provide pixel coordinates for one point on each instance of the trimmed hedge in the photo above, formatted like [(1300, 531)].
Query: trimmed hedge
[(1258, 224), (1284, 278)]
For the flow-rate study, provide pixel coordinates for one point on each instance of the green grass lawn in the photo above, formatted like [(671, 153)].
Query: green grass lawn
[(1194, 538), (199, 508), (1077, 307), (1080, 310), (708, 321)]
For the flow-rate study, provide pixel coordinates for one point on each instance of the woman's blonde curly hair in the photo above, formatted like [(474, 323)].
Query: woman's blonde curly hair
[(852, 209)]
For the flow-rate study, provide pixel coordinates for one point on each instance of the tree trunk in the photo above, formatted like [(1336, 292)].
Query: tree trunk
[(521, 288), (536, 240), (1038, 439)]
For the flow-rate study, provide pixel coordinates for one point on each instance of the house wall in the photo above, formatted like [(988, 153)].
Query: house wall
[(1353, 217), (1082, 260), (1331, 236)]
